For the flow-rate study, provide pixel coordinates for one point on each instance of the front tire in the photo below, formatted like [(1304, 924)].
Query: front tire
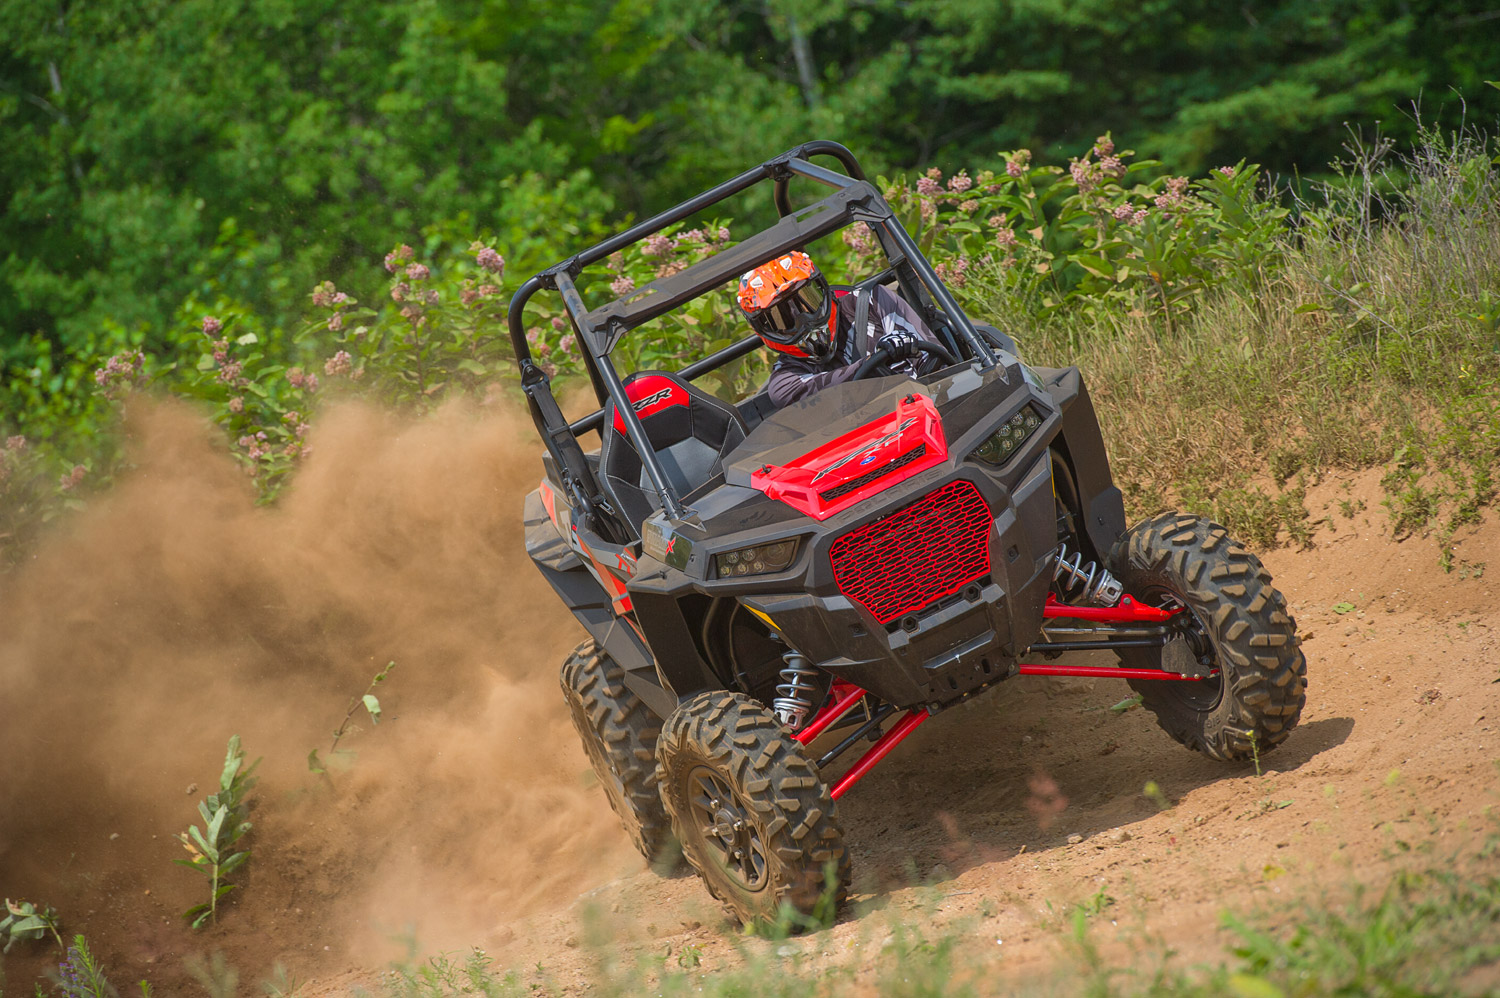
[(754, 818), (619, 733), (1242, 626)]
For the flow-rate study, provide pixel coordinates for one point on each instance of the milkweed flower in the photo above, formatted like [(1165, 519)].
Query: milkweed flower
[(211, 325), (622, 286)]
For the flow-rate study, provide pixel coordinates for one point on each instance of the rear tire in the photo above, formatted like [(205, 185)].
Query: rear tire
[(754, 818), (619, 733), (1257, 697)]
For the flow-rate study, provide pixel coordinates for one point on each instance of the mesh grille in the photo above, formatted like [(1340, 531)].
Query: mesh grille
[(839, 491), (920, 553)]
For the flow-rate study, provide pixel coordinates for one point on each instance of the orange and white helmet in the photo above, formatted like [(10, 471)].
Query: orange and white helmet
[(788, 303)]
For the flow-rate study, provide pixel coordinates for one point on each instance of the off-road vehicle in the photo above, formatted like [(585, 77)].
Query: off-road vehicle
[(767, 589)]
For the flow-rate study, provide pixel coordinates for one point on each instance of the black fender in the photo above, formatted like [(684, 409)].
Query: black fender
[(1081, 443), (590, 604)]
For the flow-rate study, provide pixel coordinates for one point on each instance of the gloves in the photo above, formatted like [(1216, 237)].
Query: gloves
[(901, 344)]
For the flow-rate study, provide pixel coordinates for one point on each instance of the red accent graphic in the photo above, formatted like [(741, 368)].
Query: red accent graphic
[(842, 699), (861, 463), (650, 395), (1102, 672), (879, 751), (1127, 612), (549, 500), (921, 552)]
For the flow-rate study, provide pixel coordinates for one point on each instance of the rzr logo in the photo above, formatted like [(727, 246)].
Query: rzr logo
[(870, 449), (641, 405)]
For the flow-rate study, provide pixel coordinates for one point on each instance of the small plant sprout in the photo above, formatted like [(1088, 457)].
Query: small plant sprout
[(80, 974), (211, 848), (24, 920), (371, 705), (1156, 795)]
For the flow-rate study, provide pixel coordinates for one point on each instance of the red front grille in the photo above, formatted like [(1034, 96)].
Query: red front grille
[(918, 554)]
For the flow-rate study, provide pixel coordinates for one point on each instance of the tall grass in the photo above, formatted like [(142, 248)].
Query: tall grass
[(1375, 340)]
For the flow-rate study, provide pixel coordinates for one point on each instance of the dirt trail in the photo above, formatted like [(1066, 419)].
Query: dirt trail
[(175, 614)]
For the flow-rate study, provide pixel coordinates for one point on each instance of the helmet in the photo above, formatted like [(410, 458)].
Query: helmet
[(788, 303)]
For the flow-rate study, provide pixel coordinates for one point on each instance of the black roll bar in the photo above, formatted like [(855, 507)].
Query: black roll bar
[(599, 330)]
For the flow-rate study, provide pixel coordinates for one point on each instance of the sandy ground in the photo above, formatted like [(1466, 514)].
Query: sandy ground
[(176, 614)]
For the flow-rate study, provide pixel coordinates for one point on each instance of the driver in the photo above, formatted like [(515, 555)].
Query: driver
[(789, 304)]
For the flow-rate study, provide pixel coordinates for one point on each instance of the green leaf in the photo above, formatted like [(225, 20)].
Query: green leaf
[(1342, 608), (473, 367), (233, 863), (1251, 986), (247, 339), (373, 706), (314, 763), (1096, 265)]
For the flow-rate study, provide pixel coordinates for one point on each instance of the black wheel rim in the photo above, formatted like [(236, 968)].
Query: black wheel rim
[(725, 827), (1202, 695)]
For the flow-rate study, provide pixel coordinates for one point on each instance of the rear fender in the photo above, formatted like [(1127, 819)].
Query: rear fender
[(581, 593)]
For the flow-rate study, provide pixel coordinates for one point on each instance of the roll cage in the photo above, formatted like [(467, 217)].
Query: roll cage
[(600, 329)]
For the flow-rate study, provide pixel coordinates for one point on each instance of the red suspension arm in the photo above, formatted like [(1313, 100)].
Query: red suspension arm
[(879, 751), (1128, 612), (845, 696)]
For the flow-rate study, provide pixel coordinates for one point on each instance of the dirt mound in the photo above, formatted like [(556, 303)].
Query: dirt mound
[(176, 613)]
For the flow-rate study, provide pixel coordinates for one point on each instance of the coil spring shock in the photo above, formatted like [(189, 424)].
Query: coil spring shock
[(1081, 580), (795, 692)]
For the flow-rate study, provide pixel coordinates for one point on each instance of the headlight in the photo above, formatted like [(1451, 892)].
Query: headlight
[(757, 560), (1005, 441)]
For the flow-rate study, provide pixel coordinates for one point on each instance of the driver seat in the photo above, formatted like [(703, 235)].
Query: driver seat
[(689, 429)]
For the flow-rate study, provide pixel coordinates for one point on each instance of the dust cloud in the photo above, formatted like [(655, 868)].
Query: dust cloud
[(175, 612)]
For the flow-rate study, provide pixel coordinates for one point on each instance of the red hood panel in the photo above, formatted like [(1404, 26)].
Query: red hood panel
[(861, 463)]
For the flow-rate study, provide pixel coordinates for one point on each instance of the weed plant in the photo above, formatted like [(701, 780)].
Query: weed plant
[(24, 920), (371, 704), (211, 849)]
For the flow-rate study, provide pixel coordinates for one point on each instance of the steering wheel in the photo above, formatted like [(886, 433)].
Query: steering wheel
[(881, 355)]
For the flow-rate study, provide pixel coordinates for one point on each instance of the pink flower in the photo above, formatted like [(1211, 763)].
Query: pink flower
[(296, 377), (418, 272), (690, 236), (322, 295), (70, 481), (857, 238), (490, 260), (338, 364), (339, 298), (1112, 166), (657, 244), (557, 323), (1227, 171), (960, 182), (1014, 169), (622, 286), (237, 405), (394, 257), (1006, 237), (411, 314), (400, 291), (311, 383), (929, 187), (568, 343), (1139, 217), (1123, 212), (723, 234), (995, 221), (968, 206), (1177, 185), (15, 444), (488, 290), (1103, 146), (432, 296), (671, 267), (211, 326), (1083, 174), (929, 211), (229, 372), (468, 296), (934, 174), (335, 323)]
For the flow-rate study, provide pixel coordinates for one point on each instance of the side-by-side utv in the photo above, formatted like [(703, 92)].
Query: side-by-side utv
[(767, 589)]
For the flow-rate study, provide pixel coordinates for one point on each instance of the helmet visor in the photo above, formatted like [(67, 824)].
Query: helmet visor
[(795, 313)]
